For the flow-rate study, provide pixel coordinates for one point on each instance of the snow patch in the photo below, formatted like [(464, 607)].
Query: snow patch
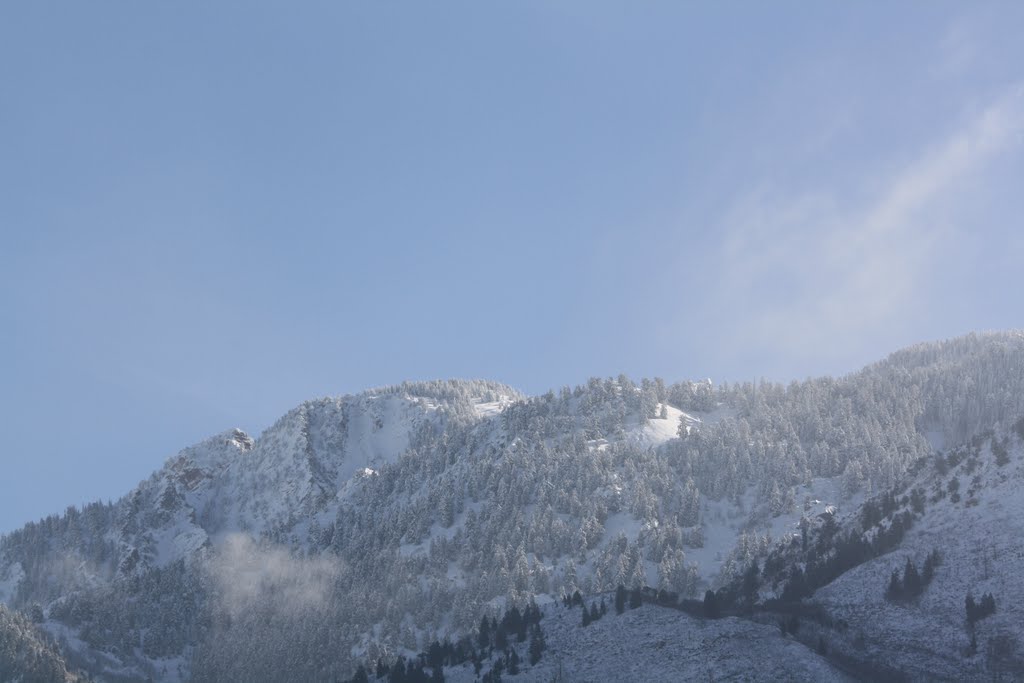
[(487, 409)]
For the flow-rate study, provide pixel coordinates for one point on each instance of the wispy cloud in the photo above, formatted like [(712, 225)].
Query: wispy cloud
[(248, 575), (823, 270)]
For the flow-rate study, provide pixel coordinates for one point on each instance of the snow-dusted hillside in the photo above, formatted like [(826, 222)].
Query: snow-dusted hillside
[(296, 472), (979, 533), (660, 645), (364, 526), (26, 656)]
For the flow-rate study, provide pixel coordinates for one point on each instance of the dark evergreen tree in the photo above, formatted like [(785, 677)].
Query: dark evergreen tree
[(917, 500), (751, 581), (397, 674), (911, 580), (620, 599), (435, 655), (536, 650), (35, 613), (513, 663), (930, 563), (988, 605), (484, 634), (711, 605), (1002, 453), (796, 588), (871, 515), (895, 590)]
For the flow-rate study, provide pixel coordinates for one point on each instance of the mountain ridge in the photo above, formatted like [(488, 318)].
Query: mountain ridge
[(408, 511)]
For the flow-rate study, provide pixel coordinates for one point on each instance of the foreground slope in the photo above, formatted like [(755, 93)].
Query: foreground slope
[(974, 518), (956, 524), (26, 656), (662, 645)]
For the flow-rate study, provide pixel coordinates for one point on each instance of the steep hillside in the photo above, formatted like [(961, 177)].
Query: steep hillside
[(974, 518), (890, 581), (27, 657), (663, 645), (365, 526)]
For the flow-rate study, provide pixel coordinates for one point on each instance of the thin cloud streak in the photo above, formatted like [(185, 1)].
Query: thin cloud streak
[(812, 276)]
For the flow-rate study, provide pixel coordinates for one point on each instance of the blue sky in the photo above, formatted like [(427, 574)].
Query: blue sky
[(212, 211)]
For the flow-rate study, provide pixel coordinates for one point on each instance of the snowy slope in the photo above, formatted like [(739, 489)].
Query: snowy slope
[(402, 514), (295, 470), (981, 541), (25, 655), (661, 645)]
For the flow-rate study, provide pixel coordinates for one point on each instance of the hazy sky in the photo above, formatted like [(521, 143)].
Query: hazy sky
[(212, 211)]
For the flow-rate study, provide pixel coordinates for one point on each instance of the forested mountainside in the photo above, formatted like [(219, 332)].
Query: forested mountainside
[(363, 527), (26, 656)]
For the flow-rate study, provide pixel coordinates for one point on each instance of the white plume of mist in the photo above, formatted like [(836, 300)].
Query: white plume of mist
[(248, 575)]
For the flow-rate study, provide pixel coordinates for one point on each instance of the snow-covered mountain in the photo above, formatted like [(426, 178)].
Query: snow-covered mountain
[(363, 527)]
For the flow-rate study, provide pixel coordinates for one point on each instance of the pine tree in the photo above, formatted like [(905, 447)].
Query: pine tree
[(513, 663), (930, 563), (895, 590), (536, 645), (484, 637), (911, 580), (711, 605), (987, 606), (751, 580), (999, 448), (620, 599), (397, 673), (435, 655), (917, 499)]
